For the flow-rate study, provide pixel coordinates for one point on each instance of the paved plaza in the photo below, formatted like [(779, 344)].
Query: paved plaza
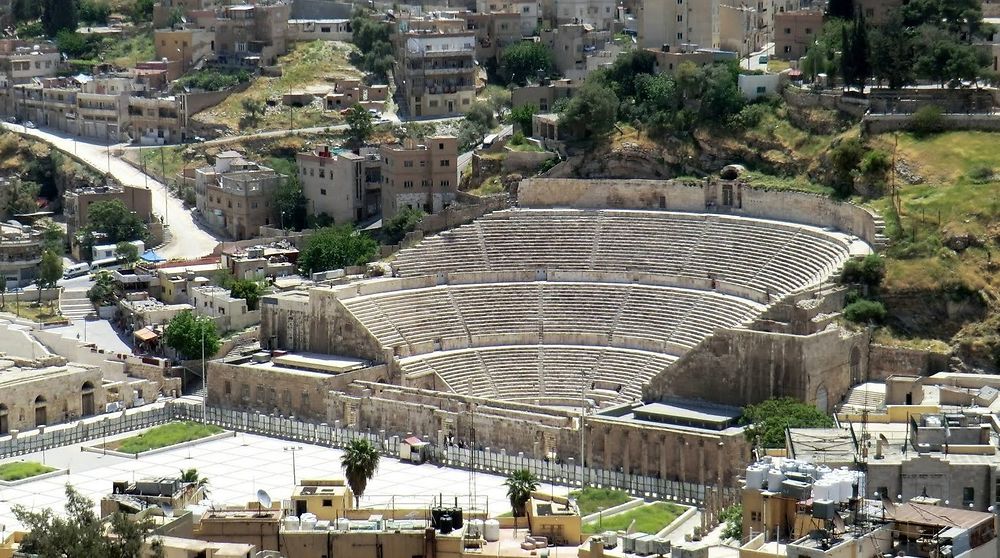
[(238, 466)]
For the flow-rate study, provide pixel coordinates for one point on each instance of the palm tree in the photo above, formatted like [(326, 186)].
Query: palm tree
[(520, 484), (191, 476), (360, 461)]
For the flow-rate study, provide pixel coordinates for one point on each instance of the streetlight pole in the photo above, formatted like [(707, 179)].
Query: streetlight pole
[(293, 449)]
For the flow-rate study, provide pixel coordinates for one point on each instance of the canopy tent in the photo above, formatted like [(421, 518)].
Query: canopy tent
[(152, 257)]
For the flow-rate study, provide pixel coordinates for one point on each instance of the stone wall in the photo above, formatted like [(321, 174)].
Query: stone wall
[(886, 361), (739, 367), (59, 393), (881, 123), (705, 196), (688, 455)]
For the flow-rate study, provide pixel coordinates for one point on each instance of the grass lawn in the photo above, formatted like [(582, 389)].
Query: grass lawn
[(171, 163), (22, 470), (46, 313), (649, 519), (127, 52), (797, 183), (525, 146), (309, 66), (591, 500), (163, 436)]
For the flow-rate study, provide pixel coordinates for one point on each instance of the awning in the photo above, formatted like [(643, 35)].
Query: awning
[(146, 335), (152, 257), (415, 442)]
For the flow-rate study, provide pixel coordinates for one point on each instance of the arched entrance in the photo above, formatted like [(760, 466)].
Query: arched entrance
[(87, 399), (4, 425), (822, 398), (41, 415), (856, 366)]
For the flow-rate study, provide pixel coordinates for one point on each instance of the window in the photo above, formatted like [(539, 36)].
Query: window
[(423, 164), (228, 387), (407, 184), (968, 496), (253, 205), (809, 31), (680, 36), (322, 173), (408, 164), (465, 101), (754, 516), (788, 30), (327, 503), (322, 191), (761, 90), (425, 183), (445, 163), (440, 146), (445, 183), (788, 49), (680, 18)]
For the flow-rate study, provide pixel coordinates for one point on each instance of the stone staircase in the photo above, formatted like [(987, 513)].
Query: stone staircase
[(75, 305), (881, 241)]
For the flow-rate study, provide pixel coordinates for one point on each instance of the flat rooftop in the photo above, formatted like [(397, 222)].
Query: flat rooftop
[(695, 415)]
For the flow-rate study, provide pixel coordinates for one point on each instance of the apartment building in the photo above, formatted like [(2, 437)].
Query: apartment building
[(260, 261), (319, 30), (794, 32), (185, 46), (544, 95), (528, 12), (251, 35), (741, 28), (77, 202), (571, 44), (599, 14), (22, 61), (236, 195), (228, 312), (344, 185), (494, 32), (436, 66), (157, 120), (20, 254), (102, 107), (675, 23), (419, 175)]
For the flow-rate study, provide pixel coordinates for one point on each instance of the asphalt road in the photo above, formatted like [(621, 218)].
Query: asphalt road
[(188, 240)]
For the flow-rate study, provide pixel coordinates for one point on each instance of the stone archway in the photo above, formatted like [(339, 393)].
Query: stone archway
[(87, 399), (822, 398), (41, 412)]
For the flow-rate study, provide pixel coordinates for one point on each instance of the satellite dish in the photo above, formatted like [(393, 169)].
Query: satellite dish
[(168, 510), (263, 498)]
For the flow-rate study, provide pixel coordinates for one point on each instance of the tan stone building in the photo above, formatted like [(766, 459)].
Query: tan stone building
[(47, 391), (571, 44), (22, 61), (544, 95), (236, 195), (165, 9), (494, 31), (676, 23), (228, 312), (251, 34), (157, 120), (319, 30), (76, 203), (20, 254), (668, 61), (436, 66), (795, 32), (419, 175), (187, 45), (344, 185), (276, 259)]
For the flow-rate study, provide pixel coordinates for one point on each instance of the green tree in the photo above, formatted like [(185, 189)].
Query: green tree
[(520, 484), (187, 334), (732, 518), (127, 252), (522, 115), (142, 11), (929, 119), (845, 157), (592, 111), (248, 290), (892, 53), (53, 237), (524, 61), (291, 203), (21, 196), (58, 15), (80, 533), (253, 111), (721, 97), (360, 463), (336, 247), (191, 476), (766, 421), (104, 291), (50, 271), (375, 52), (863, 311), (115, 220), (403, 222), (360, 125), (94, 12)]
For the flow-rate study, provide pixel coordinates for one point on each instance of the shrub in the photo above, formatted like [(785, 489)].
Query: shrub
[(732, 517), (927, 120), (980, 174), (750, 115), (517, 139), (867, 271), (875, 163), (865, 311)]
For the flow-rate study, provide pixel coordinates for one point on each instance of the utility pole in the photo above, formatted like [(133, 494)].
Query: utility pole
[(166, 188)]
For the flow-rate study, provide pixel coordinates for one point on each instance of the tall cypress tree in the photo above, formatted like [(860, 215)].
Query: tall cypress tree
[(846, 57), (58, 15), (860, 51)]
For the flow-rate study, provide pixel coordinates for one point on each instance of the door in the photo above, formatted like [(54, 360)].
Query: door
[(40, 416), (88, 404), (451, 107)]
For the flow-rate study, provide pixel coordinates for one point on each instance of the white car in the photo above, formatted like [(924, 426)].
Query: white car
[(29, 124)]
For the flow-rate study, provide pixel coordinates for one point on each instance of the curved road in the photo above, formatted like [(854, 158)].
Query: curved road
[(189, 240)]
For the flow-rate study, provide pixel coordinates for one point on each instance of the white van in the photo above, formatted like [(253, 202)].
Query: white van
[(106, 263), (76, 270)]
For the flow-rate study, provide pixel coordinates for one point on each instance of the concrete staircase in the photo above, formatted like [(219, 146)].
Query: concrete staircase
[(881, 241), (75, 305)]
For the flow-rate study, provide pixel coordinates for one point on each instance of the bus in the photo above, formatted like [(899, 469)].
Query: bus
[(106, 263)]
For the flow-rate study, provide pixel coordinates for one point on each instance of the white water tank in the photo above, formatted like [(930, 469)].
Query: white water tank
[(475, 528), (291, 523), (755, 477), (789, 466), (808, 469), (774, 478), (307, 523), (491, 530), (343, 524), (821, 491)]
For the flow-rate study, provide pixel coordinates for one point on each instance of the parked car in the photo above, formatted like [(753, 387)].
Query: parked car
[(12, 120), (29, 124)]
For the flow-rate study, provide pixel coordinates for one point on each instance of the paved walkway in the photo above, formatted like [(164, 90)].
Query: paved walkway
[(237, 467)]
